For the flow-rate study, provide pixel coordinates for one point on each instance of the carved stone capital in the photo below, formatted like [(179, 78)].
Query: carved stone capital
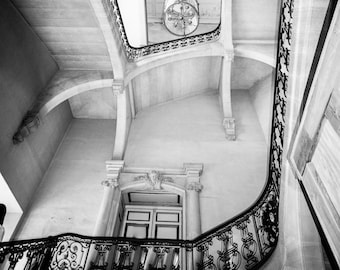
[(196, 186), (230, 129), (110, 182), (118, 87), (113, 169)]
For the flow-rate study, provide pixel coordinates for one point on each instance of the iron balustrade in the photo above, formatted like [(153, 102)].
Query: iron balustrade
[(72, 251), (244, 242), (133, 53)]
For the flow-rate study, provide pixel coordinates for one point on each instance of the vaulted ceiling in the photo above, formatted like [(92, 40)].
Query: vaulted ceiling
[(75, 38), (70, 30)]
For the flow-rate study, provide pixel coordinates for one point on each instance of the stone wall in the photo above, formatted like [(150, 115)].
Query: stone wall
[(25, 68)]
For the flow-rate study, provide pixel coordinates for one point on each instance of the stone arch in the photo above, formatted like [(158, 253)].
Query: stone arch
[(251, 53), (65, 94)]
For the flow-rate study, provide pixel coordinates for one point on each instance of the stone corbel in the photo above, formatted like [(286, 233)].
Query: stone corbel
[(230, 130), (193, 171), (29, 124), (31, 120), (118, 87), (113, 170)]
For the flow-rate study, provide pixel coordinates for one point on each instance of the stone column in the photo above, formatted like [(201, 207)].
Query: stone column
[(105, 217), (108, 204), (193, 210), (193, 220)]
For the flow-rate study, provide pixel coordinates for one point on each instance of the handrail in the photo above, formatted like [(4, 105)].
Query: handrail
[(134, 53), (243, 242)]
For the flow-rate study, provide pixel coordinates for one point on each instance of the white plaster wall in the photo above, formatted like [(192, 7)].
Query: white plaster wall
[(176, 80), (94, 104), (255, 20), (245, 72), (190, 130), (261, 95), (70, 194), (26, 66)]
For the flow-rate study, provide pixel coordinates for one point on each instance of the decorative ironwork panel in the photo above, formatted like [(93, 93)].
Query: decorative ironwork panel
[(228, 257), (70, 254), (101, 258), (244, 242), (134, 54)]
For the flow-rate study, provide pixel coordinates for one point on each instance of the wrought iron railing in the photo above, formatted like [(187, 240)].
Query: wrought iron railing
[(133, 53), (244, 242), (72, 251)]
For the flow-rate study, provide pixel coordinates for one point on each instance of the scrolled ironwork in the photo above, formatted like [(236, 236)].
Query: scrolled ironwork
[(244, 242), (228, 257), (258, 225), (70, 253), (101, 259), (133, 53)]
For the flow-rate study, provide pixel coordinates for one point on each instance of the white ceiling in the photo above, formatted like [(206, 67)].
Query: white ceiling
[(71, 32)]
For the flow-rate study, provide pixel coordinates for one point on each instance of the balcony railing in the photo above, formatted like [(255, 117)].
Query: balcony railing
[(244, 242), (133, 53)]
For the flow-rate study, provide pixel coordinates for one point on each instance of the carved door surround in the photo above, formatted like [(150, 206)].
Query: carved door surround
[(166, 185)]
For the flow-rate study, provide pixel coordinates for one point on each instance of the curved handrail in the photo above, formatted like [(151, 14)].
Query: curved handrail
[(245, 241), (134, 53)]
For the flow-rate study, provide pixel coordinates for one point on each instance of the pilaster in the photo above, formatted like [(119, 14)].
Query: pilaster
[(108, 204), (193, 172), (193, 188)]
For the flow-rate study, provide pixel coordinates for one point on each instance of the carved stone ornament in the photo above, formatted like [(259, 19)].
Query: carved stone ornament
[(154, 180), (110, 182), (229, 126), (195, 186)]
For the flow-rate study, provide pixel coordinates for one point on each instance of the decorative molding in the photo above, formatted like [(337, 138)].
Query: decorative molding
[(154, 180), (193, 169), (196, 186), (230, 130), (247, 240), (118, 87), (29, 124), (110, 182), (113, 170)]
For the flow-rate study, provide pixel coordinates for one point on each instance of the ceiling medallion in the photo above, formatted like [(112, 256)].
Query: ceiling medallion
[(181, 17)]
